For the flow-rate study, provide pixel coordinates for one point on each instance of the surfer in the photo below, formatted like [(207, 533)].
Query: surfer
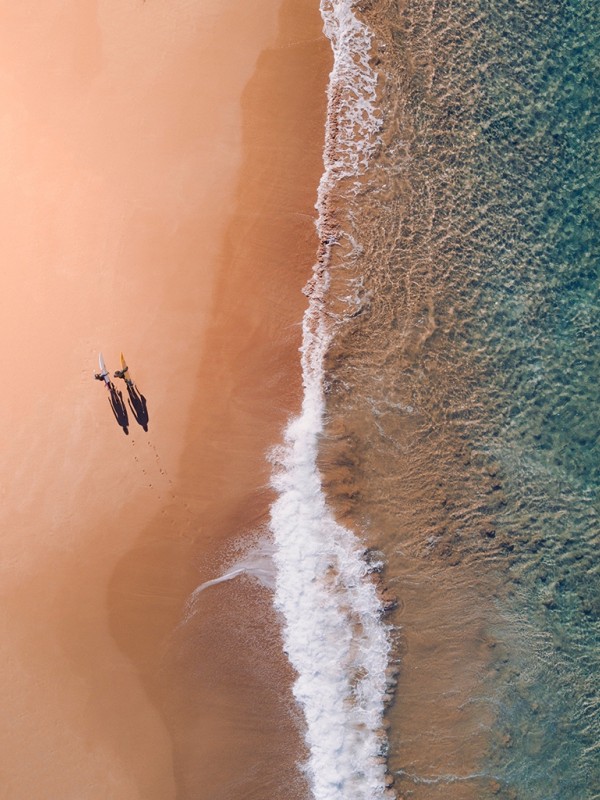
[(136, 400), (124, 373), (103, 376), (121, 373)]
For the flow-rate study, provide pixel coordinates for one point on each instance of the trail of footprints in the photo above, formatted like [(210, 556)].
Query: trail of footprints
[(152, 469)]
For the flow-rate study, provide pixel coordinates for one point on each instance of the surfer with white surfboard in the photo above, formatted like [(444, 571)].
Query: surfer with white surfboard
[(115, 399), (104, 374)]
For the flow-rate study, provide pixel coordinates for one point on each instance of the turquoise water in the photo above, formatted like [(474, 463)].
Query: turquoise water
[(531, 325), (471, 355), (538, 167)]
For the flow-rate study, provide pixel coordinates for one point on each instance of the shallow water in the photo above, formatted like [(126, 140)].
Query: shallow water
[(461, 388)]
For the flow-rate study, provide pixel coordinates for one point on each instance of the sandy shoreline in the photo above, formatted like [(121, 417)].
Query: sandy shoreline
[(127, 158)]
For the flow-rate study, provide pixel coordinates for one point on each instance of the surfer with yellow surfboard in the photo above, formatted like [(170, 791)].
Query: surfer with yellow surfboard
[(136, 400), (124, 372)]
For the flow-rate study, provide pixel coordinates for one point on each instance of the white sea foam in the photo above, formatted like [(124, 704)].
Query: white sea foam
[(353, 120), (333, 633)]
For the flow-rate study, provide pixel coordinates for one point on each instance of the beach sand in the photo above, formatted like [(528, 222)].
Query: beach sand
[(160, 168)]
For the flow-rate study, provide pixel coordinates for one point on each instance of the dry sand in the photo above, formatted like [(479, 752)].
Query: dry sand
[(160, 164)]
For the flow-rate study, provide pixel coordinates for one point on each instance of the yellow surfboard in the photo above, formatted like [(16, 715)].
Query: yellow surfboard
[(125, 368)]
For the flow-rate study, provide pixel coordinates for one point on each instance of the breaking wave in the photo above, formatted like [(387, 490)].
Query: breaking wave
[(333, 632)]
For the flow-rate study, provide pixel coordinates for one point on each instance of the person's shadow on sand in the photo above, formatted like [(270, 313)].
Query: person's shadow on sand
[(138, 406), (117, 405)]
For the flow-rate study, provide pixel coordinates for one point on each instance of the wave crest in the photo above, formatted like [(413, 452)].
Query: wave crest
[(333, 632)]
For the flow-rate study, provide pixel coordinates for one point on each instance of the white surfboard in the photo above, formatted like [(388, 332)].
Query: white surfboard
[(103, 370)]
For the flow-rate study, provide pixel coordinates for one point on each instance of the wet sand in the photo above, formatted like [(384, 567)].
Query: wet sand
[(160, 173)]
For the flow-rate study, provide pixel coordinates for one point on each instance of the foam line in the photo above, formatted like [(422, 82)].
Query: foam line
[(333, 633)]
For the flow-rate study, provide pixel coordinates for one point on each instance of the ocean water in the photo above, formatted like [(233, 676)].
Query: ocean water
[(450, 415)]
